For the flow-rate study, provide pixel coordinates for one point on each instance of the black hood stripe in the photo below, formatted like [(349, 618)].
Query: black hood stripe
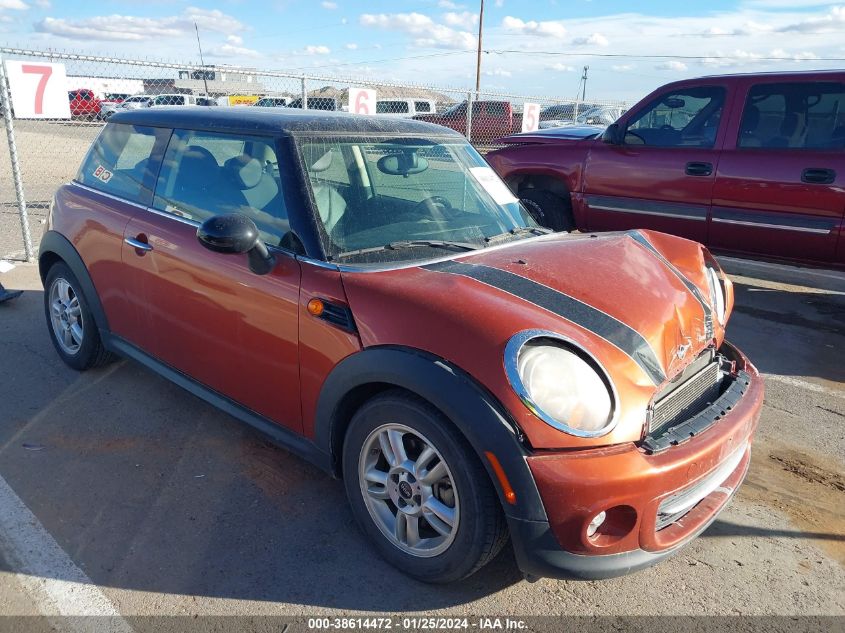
[(586, 316), (694, 290)]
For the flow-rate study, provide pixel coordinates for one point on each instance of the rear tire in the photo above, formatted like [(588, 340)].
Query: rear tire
[(549, 209), (432, 512), (70, 322)]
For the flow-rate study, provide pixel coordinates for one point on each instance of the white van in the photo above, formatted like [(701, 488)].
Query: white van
[(405, 107), (174, 99)]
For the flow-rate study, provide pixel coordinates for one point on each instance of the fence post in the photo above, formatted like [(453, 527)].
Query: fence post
[(5, 100), (304, 93), (469, 116)]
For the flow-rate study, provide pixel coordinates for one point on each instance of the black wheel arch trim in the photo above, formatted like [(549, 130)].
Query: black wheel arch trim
[(475, 412), (57, 244)]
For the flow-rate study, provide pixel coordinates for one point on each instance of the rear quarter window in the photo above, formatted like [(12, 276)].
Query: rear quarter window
[(121, 161)]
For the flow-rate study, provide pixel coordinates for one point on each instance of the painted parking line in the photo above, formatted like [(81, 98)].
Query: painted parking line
[(54, 583), (792, 381)]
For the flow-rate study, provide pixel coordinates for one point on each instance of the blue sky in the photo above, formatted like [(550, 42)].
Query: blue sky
[(535, 48)]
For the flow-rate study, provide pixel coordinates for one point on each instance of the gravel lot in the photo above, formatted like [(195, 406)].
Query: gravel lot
[(169, 506)]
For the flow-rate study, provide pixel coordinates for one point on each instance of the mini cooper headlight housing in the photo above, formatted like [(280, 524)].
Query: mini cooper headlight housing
[(560, 383), (718, 297)]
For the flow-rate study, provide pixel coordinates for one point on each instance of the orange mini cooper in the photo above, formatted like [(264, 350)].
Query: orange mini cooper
[(369, 294)]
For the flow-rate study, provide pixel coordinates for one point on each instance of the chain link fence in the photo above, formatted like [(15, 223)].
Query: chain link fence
[(49, 151)]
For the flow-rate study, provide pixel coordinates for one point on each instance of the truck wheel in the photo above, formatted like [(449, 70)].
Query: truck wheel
[(72, 328), (555, 212), (419, 491)]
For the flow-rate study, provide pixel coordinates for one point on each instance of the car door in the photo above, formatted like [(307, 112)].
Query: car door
[(780, 185), (661, 176), (206, 314)]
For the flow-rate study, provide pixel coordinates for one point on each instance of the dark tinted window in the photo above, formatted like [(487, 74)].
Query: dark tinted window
[(794, 116), (422, 106), (206, 174), (685, 118), (392, 107), (120, 161), (169, 100), (497, 108)]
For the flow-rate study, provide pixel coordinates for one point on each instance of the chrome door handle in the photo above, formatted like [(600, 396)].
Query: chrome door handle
[(137, 244)]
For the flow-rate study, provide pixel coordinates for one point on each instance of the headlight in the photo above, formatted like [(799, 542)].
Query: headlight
[(717, 293), (561, 384)]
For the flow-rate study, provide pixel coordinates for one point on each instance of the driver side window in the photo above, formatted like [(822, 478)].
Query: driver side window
[(685, 118)]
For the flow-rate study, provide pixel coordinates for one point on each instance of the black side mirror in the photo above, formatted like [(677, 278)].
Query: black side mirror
[(236, 233), (613, 135)]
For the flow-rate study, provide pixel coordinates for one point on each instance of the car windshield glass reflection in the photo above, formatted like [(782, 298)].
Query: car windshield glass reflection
[(388, 200)]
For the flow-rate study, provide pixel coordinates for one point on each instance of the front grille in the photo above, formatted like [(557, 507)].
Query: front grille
[(691, 392)]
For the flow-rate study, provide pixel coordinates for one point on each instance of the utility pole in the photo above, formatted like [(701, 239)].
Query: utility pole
[(584, 83), (478, 58), (199, 46)]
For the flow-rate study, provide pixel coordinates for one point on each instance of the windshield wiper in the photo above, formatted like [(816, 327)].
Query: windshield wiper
[(400, 244), (536, 230)]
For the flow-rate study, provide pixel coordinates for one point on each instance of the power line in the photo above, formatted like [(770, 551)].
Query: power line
[(637, 56)]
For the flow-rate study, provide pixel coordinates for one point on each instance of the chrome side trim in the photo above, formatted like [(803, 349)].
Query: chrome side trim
[(172, 216), (766, 225), (511, 360), (107, 195), (641, 212)]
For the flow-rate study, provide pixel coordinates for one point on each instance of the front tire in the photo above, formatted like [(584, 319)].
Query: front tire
[(419, 491), (70, 322), (549, 209)]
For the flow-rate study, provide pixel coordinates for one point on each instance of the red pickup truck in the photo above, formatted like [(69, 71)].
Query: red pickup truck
[(750, 164), (490, 119)]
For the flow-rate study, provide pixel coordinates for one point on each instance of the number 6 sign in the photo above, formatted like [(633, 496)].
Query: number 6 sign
[(530, 117), (39, 90), (362, 101)]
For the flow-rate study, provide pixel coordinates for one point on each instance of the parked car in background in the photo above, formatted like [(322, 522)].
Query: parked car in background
[(135, 102), (374, 299), (271, 102), (110, 103), (176, 100), (84, 103), (317, 103), (490, 119), (405, 107), (749, 164), (599, 115)]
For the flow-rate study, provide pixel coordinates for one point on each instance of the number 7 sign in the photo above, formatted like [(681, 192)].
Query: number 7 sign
[(39, 90)]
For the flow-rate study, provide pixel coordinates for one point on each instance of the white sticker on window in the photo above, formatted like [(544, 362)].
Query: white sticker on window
[(493, 185), (102, 173)]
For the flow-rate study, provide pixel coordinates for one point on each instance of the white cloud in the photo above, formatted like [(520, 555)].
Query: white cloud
[(447, 4), (673, 65), (621, 68), (500, 3), (596, 39), (235, 40), (740, 57), (562, 68), (497, 72), (312, 49), (465, 19), (425, 31), (351, 46), (330, 6), (547, 29), (14, 5), (127, 27), (832, 21), (230, 50), (43, 4)]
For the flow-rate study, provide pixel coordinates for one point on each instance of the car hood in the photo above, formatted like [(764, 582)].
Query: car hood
[(563, 132), (615, 295)]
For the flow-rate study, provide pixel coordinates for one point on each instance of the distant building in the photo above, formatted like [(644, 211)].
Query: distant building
[(103, 86)]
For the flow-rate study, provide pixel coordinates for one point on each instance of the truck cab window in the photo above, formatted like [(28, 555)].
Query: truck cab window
[(685, 118)]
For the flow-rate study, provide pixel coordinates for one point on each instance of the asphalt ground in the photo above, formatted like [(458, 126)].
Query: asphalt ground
[(122, 495)]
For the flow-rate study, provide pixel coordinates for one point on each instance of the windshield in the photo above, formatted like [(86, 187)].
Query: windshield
[(372, 194)]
